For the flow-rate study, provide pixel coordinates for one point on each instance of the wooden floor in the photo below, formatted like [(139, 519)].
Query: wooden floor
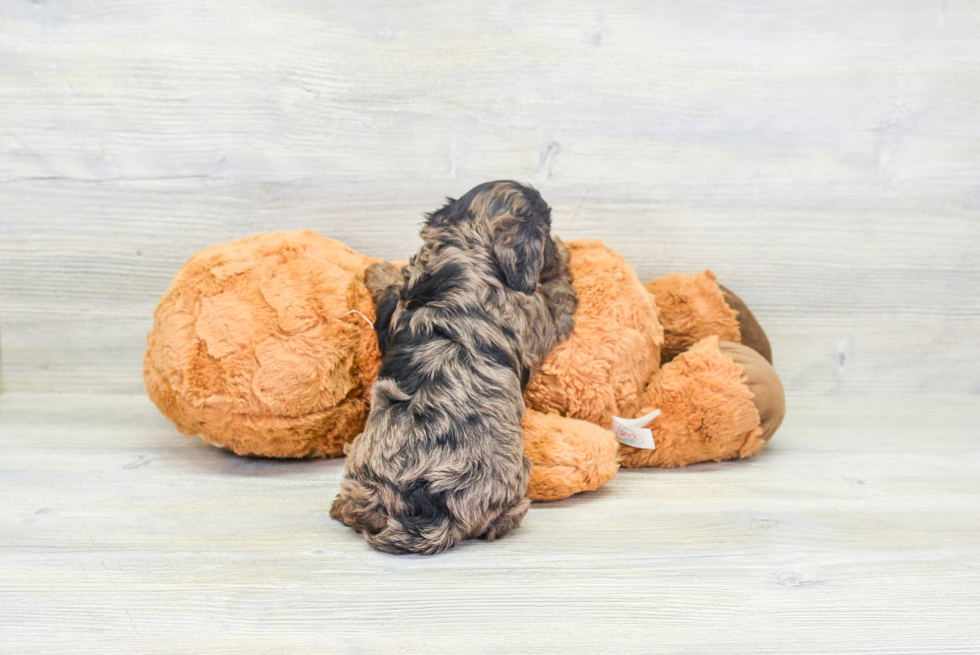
[(857, 531)]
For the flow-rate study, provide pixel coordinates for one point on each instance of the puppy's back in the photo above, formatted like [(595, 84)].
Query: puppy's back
[(441, 459)]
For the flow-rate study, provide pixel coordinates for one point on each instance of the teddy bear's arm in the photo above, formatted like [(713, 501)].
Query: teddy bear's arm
[(693, 307), (569, 455)]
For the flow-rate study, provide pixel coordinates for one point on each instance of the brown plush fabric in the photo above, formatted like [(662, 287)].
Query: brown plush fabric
[(707, 414), (252, 347), (569, 455), (601, 370), (751, 332), (692, 307), (767, 391)]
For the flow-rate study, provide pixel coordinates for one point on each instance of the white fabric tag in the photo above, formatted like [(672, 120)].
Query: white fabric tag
[(630, 431)]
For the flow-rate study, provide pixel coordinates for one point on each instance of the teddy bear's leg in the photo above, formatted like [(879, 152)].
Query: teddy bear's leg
[(719, 400), (569, 455), (693, 307)]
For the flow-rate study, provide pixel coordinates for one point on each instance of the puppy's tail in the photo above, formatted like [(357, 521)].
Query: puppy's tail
[(400, 539), (413, 521), (423, 525)]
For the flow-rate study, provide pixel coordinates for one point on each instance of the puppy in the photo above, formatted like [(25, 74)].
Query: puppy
[(441, 458)]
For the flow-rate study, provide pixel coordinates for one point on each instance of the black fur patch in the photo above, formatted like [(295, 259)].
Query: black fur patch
[(382, 324), (431, 286), (423, 509), (400, 364), (496, 354)]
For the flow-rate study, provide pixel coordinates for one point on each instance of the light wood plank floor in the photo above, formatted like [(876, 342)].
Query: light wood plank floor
[(857, 530)]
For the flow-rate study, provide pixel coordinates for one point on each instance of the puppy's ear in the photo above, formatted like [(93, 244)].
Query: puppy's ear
[(518, 246)]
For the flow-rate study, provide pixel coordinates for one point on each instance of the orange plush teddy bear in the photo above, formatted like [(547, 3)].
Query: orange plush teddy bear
[(265, 346)]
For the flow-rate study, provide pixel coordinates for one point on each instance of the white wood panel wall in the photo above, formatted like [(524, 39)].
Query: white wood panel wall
[(822, 157)]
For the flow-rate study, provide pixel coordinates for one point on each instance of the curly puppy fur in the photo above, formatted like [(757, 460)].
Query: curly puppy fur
[(441, 458)]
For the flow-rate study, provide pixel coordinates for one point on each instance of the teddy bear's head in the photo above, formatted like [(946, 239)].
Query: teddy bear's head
[(263, 346)]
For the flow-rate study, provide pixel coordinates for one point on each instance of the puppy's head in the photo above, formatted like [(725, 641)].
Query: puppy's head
[(517, 221)]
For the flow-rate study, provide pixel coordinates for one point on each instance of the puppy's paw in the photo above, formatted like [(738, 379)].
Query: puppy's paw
[(340, 510), (561, 252), (357, 511), (379, 277), (556, 258)]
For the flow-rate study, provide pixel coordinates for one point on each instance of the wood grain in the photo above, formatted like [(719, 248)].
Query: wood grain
[(821, 158), (1, 358), (855, 531)]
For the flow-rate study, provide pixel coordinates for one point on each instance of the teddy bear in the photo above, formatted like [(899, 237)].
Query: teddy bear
[(265, 346)]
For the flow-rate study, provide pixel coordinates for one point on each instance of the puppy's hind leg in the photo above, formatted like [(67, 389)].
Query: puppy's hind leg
[(385, 282), (357, 507), (381, 277), (511, 517)]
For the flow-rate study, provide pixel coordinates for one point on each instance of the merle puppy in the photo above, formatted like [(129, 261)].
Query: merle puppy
[(441, 458)]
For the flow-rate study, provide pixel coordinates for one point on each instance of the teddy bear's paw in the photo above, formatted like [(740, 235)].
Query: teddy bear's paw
[(761, 379), (752, 333)]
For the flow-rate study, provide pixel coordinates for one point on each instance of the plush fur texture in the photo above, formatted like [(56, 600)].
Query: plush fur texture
[(602, 369), (718, 399), (707, 412), (692, 307), (569, 455), (255, 349), (441, 458)]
